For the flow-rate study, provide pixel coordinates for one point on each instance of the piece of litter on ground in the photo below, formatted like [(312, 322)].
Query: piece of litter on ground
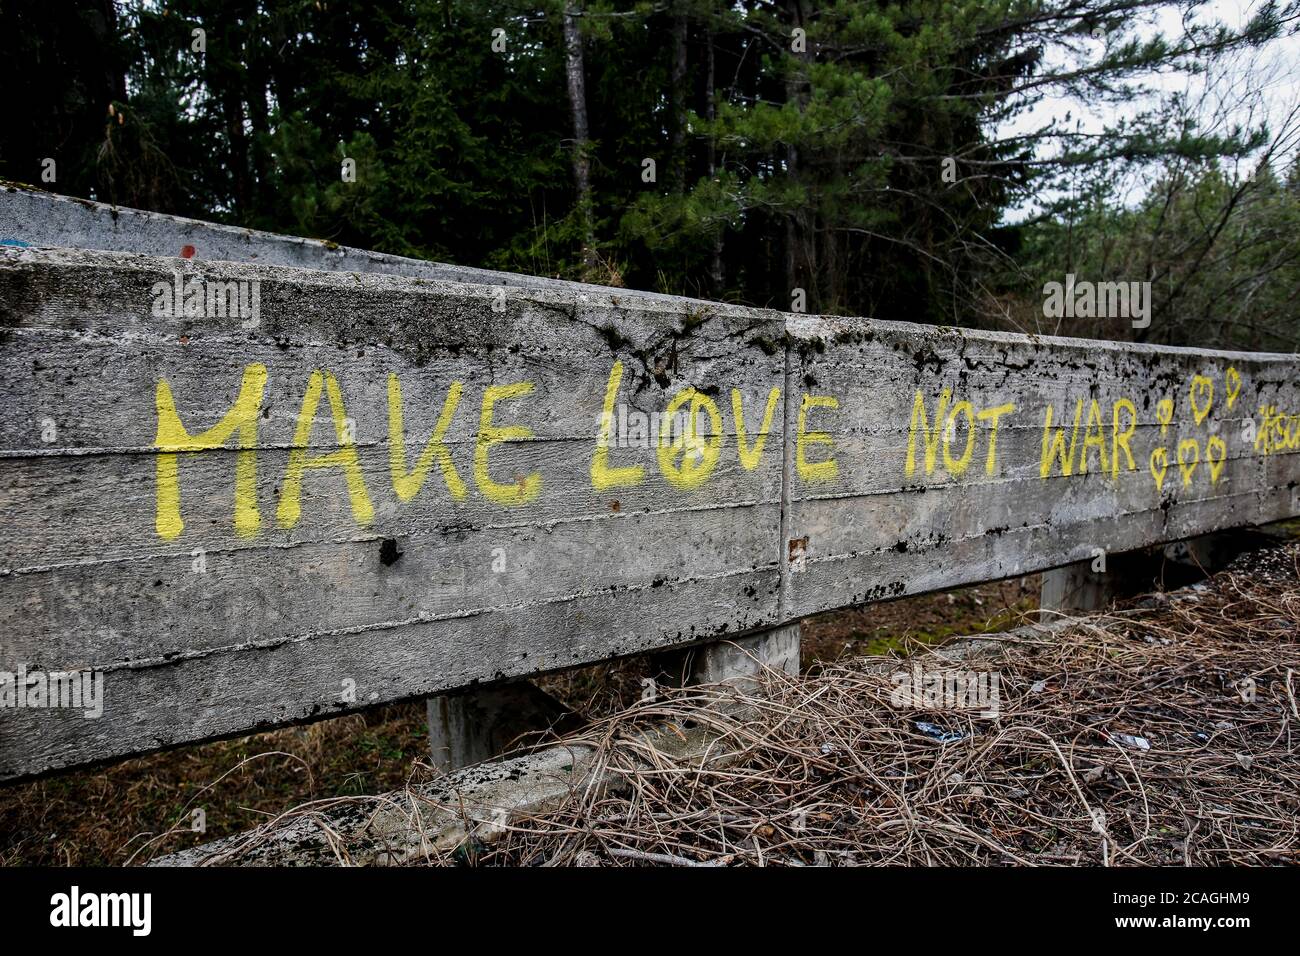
[(1039, 687), (938, 733), (1128, 740)]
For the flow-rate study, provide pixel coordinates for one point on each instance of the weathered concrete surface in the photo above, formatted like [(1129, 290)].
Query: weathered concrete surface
[(885, 524), (257, 582), (1074, 588), (525, 566), (485, 722), (38, 218), (741, 660)]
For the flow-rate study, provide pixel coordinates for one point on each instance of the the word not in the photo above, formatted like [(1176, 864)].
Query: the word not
[(943, 433)]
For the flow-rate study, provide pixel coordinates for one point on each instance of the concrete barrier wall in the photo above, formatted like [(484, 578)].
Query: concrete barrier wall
[(33, 217), (360, 488)]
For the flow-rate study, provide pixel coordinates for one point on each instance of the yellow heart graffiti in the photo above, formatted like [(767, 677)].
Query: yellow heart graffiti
[(1233, 389), (1216, 461), (1159, 473), (1164, 413), (1203, 387), (1186, 467)]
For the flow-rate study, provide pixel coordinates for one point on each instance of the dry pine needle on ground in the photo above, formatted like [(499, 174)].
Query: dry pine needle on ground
[(827, 770)]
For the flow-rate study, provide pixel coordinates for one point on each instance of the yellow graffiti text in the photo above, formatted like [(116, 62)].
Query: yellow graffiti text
[(602, 475), (408, 484), (827, 469), (943, 433), (1278, 432), (1113, 452), (525, 488), (750, 457), (687, 461), (172, 439), (344, 457)]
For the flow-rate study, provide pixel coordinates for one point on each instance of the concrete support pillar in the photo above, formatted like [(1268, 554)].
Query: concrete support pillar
[(739, 660), (1074, 589), (1209, 553), (482, 723), (1077, 588)]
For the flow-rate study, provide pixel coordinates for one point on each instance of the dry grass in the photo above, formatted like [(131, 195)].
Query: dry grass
[(827, 771), (102, 817)]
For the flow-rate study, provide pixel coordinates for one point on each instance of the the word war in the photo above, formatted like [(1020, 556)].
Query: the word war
[(1067, 457), (949, 433)]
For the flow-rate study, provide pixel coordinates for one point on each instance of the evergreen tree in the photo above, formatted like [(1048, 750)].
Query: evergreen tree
[(863, 151)]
